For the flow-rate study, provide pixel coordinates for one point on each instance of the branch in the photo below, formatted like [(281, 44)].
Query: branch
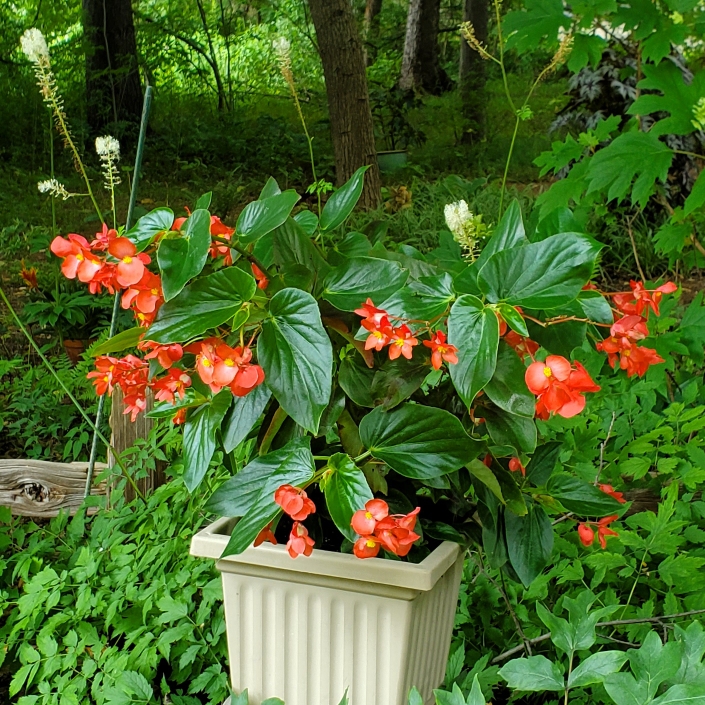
[(613, 623), (239, 248)]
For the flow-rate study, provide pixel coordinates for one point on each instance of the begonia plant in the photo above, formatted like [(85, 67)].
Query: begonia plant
[(390, 396)]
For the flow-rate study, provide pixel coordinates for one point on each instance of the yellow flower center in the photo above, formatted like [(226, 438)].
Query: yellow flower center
[(368, 515), (206, 362), (547, 371), (441, 349), (127, 260), (370, 543), (228, 362), (155, 292), (400, 342), (377, 334), (80, 257)]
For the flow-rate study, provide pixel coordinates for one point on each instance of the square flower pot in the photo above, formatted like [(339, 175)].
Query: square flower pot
[(307, 629)]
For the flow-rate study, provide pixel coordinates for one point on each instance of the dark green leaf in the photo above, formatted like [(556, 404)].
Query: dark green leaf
[(480, 471), (204, 201), (297, 357), (507, 388), (261, 217), (349, 285), (581, 497), (346, 491), (292, 465), (561, 338), (513, 319), (533, 674), (207, 303), (166, 410), (507, 429), (474, 330), (342, 202), (355, 379), (540, 275), (125, 339), (418, 441), (352, 245), (529, 542), (543, 463), (397, 380), (596, 307), (243, 416), (200, 437), (422, 300), (143, 232), (182, 258), (292, 245), (308, 221)]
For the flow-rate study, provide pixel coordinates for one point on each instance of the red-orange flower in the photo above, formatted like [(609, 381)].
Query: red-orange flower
[(377, 528), (165, 355), (515, 465), (364, 520), (300, 543), (29, 276), (585, 534), (641, 299), (372, 314), (260, 276), (522, 346), (295, 502), (145, 297), (173, 384), (131, 266), (224, 231), (608, 489), (266, 535), (402, 343), (441, 350), (366, 547), (79, 261), (622, 345)]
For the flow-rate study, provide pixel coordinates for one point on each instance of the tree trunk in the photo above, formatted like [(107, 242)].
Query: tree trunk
[(420, 68), (371, 29), (113, 89), (472, 75), (351, 124)]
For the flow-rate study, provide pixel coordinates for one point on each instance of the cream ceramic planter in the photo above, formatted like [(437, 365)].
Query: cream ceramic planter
[(306, 629)]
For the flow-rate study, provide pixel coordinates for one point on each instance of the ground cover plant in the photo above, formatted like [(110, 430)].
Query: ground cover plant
[(461, 363)]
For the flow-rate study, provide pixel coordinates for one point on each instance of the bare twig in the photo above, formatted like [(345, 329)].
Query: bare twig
[(631, 237), (616, 622)]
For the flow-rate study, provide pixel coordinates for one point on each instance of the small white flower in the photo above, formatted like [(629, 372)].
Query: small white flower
[(466, 227), (282, 47), (34, 45), (53, 187), (107, 147)]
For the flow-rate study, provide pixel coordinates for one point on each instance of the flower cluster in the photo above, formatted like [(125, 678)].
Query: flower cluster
[(586, 534), (295, 503), (558, 386), (377, 528), (621, 345), (218, 365), (401, 339), (467, 228)]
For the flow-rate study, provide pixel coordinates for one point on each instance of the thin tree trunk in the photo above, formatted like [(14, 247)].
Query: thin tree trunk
[(222, 99), (420, 68), (352, 130), (370, 30), (113, 89), (472, 76)]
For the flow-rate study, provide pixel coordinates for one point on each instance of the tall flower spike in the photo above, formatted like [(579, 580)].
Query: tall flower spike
[(467, 228), (54, 188), (34, 46), (108, 149)]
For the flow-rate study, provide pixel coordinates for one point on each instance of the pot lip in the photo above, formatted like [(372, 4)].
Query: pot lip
[(212, 540)]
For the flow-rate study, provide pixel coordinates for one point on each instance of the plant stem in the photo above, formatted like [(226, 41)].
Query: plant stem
[(570, 670), (239, 248), (69, 394), (366, 454), (506, 165)]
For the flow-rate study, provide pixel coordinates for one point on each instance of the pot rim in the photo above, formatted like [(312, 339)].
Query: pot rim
[(211, 541)]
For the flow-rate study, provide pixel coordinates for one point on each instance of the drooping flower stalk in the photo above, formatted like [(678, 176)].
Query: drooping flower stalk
[(36, 50), (108, 150)]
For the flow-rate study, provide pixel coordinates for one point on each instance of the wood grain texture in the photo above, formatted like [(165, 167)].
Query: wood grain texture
[(39, 488)]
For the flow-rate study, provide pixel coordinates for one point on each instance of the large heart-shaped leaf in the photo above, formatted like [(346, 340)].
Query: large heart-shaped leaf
[(351, 283), (421, 442), (507, 429), (540, 275), (529, 542), (507, 388), (243, 416), (340, 205), (261, 217), (207, 303), (143, 232), (200, 437), (424, 300), (182, 258), (474, 330), (346, 491), (297, 357), (290, 244), (250, 494), (581, 497)]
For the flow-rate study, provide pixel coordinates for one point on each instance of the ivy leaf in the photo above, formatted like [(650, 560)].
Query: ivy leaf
[(182, 258), (346, 491), (292, 465), (207, 303), (297, 357), (421, 442), (474, 330), (633, 155), (526, 28), (200, 437)]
